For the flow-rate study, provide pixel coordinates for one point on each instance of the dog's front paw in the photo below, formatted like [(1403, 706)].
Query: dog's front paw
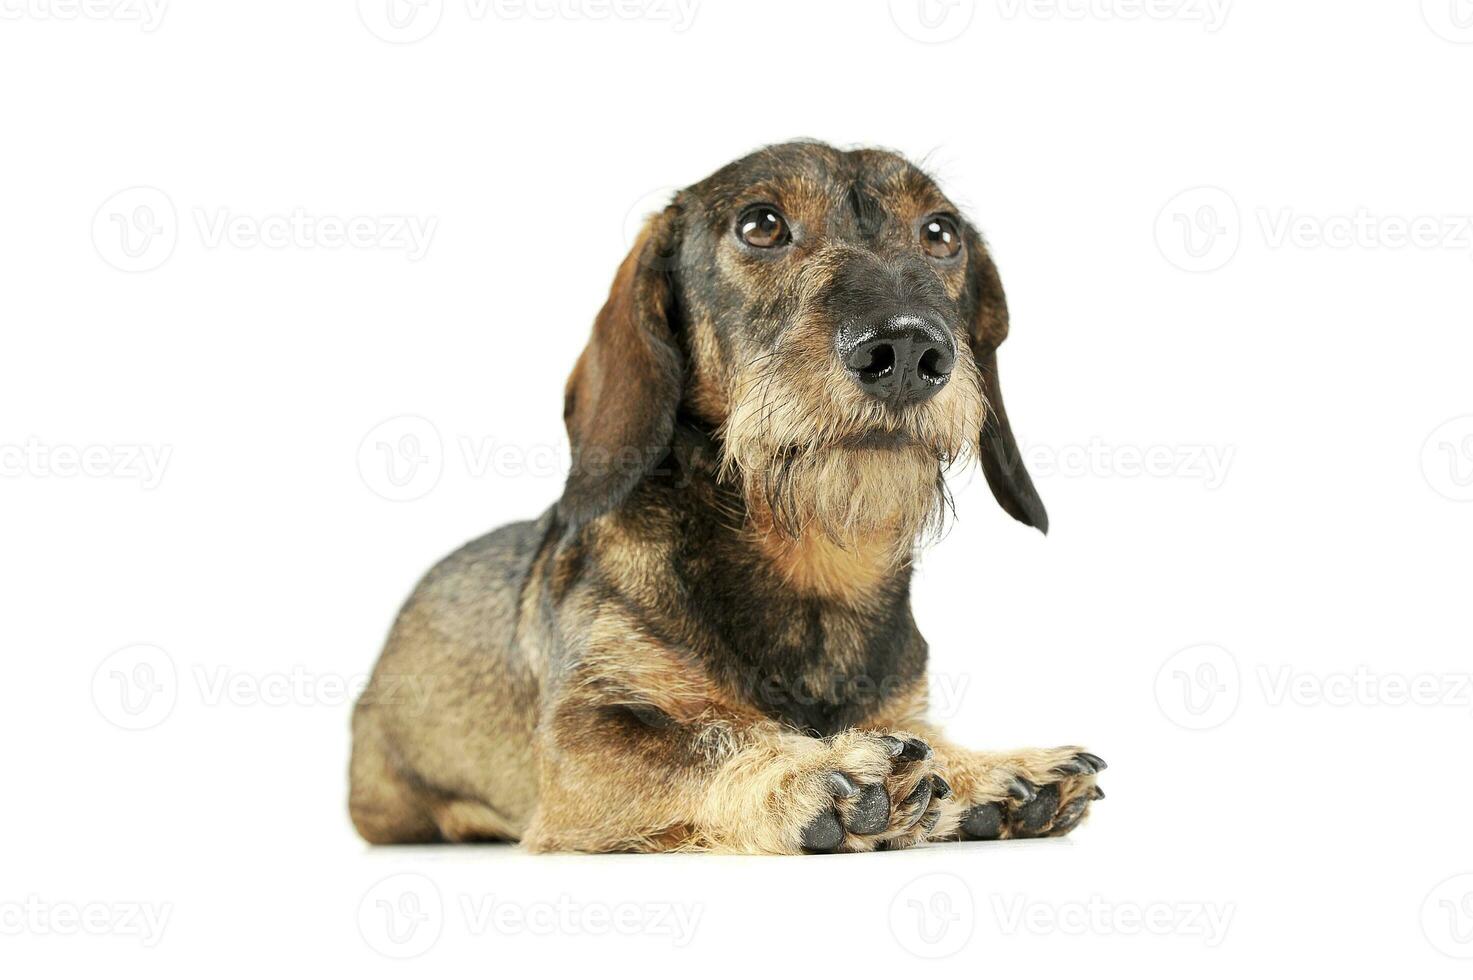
[(1037, 793), (869, 790)]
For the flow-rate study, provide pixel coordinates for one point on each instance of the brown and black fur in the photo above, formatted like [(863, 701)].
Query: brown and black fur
[(707, 643)]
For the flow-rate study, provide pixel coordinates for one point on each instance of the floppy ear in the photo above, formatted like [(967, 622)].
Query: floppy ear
[(1002, 464), (619, 404)]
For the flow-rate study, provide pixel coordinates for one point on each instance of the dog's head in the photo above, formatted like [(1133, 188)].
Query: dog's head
[(833, 318)]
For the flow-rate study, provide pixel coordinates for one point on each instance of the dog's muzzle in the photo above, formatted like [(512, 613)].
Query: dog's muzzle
[(901, 358)]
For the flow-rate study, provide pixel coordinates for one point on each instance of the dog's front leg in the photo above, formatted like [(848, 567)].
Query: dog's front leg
[(631, 776), (1025, 793)]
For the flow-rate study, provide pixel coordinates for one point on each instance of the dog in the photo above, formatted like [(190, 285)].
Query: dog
[(707, 643)]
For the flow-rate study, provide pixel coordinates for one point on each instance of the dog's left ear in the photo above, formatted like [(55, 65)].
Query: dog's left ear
[(1002, 464), (620, 401)]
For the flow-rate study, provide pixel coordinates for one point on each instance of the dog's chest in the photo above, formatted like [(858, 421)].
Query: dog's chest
[(813, 664)]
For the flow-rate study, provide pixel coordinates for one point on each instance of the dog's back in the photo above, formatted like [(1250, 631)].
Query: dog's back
[(454, 687)]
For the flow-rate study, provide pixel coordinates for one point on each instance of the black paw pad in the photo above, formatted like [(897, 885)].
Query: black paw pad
[(1035, 815), (870, 811), (983, 822), (823, 834)]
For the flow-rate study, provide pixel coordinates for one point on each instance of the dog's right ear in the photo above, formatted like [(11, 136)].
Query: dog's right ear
[(1002, 463), (620, 401)]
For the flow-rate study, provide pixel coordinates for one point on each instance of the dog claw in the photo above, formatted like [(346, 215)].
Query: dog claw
[(920, 798), (983, 822), (870, 813), (893, 745), (940, 788), (841, 785), (1095, 793), (823, 834), (914, 750), (1022, 790), (1081, 764)]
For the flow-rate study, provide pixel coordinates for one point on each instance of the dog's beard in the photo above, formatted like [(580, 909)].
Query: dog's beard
[(814, 456), (848, 495)]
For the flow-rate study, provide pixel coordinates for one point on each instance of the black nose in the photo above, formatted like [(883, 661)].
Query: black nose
[(902, 359)]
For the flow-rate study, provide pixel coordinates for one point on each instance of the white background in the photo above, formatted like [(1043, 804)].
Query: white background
[(1202, 218)]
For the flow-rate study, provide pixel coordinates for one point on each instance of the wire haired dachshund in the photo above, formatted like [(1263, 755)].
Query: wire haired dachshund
[(707, 643)]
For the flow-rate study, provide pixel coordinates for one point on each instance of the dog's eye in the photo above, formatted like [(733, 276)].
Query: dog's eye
[(940, 238), (763, 227)]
